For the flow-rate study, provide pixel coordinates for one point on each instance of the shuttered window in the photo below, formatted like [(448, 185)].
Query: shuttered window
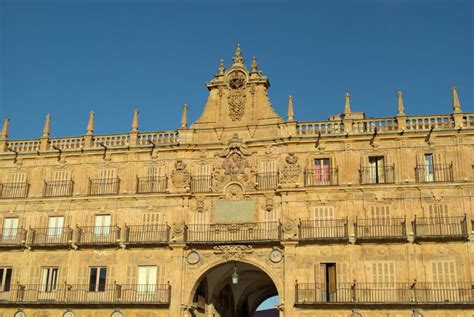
[(108, 173), (383, 272), (323, 215), (61, 175), (443, 271), (438, 210), (10, 228)]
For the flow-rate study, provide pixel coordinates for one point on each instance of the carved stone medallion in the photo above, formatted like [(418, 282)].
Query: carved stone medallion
[(233, 252), (276, 255), (193, 257), (291, 169), (234, 164)]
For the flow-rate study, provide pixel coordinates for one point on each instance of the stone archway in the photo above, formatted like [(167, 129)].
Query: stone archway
[(216, 295)]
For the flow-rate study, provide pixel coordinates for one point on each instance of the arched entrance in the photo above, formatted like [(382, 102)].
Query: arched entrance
[(232, 289)]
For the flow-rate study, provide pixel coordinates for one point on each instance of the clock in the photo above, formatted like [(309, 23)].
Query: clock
[(19, 314), (69, 314), (193, 257), (116, 314), (236, 79), (276, 255)]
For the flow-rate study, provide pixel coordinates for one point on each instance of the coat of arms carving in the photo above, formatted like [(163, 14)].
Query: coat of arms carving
[(291, 169), (180, 177)]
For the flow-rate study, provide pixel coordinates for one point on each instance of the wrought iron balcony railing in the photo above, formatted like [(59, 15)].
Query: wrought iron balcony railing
[(385, 293), (67, 294), (320, 177), (236, 232), (98, 235), (324, 230), (14, 190), (153, 184), (267, 180), (376, 229), (12, 237), (146, 234), (62, 188), (377, 175), (201, 183), (53, 236), (434, 173), (104, 186), (444, 228)]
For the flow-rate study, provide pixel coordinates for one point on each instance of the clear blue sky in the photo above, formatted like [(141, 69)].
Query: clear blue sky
[(70, 57)]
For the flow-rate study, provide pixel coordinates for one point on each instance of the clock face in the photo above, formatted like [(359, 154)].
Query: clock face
[(69, 314), (276, 256), (236, 79), (116, 314), (20, 314)]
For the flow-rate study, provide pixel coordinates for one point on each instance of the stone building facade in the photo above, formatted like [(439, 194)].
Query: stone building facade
[(353, 216)]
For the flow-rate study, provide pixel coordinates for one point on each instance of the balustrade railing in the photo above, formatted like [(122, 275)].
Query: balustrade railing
[(235, 232), (380, 293), (168, 137), (68, 294), (321, 177), (323, 230), (62, 188), (53, 236), (268, 180), (12, 237), (380, 228), (322, 127), (104, 186), (146, 234), (370, 125), (97, 235), (24, 145), (440, 227), (70, 143), (14, 190), (428, 122), (377, 175), (468, 121), (434, 173), (112, 140), (152, 184)]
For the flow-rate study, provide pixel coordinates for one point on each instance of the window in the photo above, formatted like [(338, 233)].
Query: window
[(376, 170), (5, 279), (55, 227), (429, 170), (443, 271), (102, 225), (97, 276), (322, 170), (323, 215), (147, 279), (50, 279), (383, 272), (10, 228)]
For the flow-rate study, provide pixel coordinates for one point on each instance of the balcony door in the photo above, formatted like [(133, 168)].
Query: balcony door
[(147, 279), (322, 171), (97, 278), (376, 170), (10, 228), (102, 225), (49, 280), (5, 279), (55, 227), (329, 288), (429, 168)]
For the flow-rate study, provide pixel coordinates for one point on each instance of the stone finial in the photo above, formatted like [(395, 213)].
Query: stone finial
[(221, 67), (401, 106), (90, 124), (347, 104), (47, 126), (4, 135), (456, 103), (135, 121), (184, 117), (238, 59), (254, 65), (291, 114)]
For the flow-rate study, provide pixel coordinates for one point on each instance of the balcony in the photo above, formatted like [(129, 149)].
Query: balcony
[(434, 173), (14, 190), (324, 230), (154, 184), (440, 228), (52, 237), (267, 180), (377, 175), (386, 229), (146, 234), (12, 237), (321, 177), (384, 293), (233, 233), (98, 235), (104, 186), (201, 184), (58, 188), (73, 294)]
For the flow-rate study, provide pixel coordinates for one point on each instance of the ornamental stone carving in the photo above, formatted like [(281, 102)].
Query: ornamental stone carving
[(291, 170), (180, 177), (233, 252), (236, 98), (289, 228)]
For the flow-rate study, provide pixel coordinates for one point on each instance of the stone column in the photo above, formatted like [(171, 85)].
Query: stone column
[(289, 278), (177, 279)]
